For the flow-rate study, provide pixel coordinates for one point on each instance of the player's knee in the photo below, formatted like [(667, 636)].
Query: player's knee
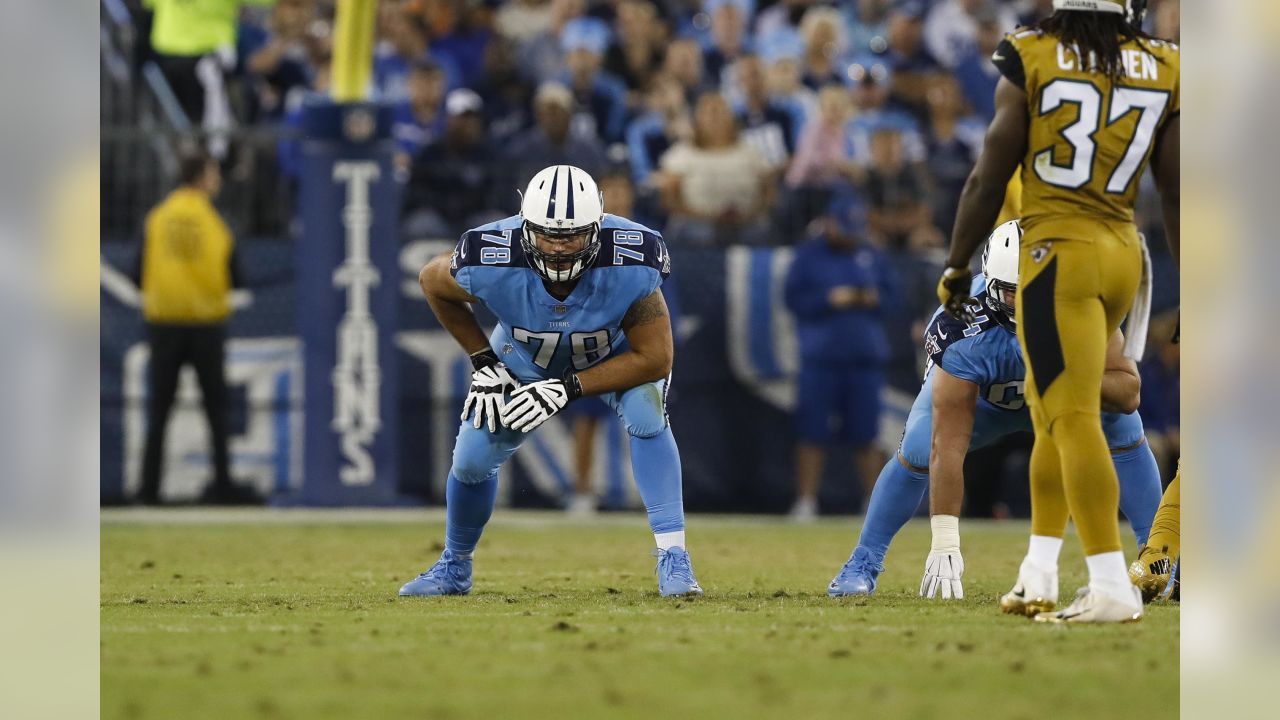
[(646, 425), (472, 470), (644, 411), (1075, 428)]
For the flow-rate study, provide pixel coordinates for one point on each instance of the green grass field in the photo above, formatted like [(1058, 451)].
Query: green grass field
[(241, 616)]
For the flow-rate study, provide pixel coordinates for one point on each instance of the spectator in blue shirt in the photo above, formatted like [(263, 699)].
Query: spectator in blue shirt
[(838, 287), (911, 61), (871, 77), (650, 135), (867, 25), (419, 120), (728, 37), (771, 127), (976, 73), (454, 183), (550, 142), (404, 46), (601, 98)]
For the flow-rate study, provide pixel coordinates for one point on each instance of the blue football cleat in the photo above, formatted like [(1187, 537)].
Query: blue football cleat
[(858, 576), (675, 573), (449, 576)]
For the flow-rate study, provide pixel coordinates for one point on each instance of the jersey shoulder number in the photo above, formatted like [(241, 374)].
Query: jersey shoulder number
[(633, 245), (945, 331), (487, 248)]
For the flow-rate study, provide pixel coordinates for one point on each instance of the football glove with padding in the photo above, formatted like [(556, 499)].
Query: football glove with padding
[(533, 404), (942, 571), (489, 384), (953, 293)]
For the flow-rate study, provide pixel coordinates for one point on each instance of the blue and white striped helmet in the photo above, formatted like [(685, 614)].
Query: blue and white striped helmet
[(561, 201)]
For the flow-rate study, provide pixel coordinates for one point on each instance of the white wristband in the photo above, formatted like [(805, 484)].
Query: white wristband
[(946, 533)]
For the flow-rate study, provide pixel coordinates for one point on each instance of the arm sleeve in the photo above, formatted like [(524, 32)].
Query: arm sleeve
[(458, 268), (959, 359), (1009, 62)]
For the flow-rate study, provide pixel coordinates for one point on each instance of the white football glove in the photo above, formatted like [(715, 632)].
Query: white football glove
[(533, 404), (488, 386), (942, 571)]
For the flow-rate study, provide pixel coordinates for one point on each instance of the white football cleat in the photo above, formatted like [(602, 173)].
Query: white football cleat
[(1036, 591), (1095, 606), (942, 571)]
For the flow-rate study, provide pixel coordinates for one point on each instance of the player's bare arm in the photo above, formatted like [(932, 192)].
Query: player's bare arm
[(984, 191), (1166, 165), (647, 326), (954, 403), (450, 303), (1121, 383)]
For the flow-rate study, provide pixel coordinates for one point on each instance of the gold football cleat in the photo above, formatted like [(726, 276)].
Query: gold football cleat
[(1016, 602), (1150, 572), (1035, 592)]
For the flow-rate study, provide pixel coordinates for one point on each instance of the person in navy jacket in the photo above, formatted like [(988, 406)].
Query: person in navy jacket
[(838, 287)]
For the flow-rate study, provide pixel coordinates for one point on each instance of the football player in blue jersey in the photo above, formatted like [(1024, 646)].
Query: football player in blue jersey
[(971, 397), (580, 310)]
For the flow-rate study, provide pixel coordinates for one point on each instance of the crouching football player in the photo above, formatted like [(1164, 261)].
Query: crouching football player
[(972, 396), (580, 310)]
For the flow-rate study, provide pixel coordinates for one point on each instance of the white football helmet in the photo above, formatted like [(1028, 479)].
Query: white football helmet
[(561, 201), (1000, 265), (1132, 10)]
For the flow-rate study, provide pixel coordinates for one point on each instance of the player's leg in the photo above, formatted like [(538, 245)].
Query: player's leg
[(1068, 303), (862, 407), (1036, 589), (655, 463), (1139, 487), (1151, 571), (896, 496), (470, 492), (162, 384)]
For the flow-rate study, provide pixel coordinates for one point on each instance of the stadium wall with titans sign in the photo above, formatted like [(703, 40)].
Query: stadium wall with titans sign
[(730, 400)]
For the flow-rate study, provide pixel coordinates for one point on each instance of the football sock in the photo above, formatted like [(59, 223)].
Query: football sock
[(1108, 573), (1043, 551), (1166, 531), (655, 462), (1139, 488), (894, 500), (468, 508), (668, 540), (946, 533)]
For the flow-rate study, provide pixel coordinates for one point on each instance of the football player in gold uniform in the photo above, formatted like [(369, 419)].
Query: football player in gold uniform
[(1085, 102)]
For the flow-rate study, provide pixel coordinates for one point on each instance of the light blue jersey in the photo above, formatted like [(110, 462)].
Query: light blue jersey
[(986, 353), (538, 336)]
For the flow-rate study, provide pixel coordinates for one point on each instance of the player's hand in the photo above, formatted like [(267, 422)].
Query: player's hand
[(942, 573), (488, 386), (533, 404), (953, 293)]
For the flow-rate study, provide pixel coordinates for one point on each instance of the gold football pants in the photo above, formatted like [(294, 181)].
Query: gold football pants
[(1076, 283)]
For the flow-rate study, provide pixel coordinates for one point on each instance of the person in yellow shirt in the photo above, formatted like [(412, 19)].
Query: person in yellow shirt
[(194, 42), (187, 272)]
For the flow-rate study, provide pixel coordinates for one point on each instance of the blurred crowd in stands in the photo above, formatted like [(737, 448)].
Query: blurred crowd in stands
[(735, 121)]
